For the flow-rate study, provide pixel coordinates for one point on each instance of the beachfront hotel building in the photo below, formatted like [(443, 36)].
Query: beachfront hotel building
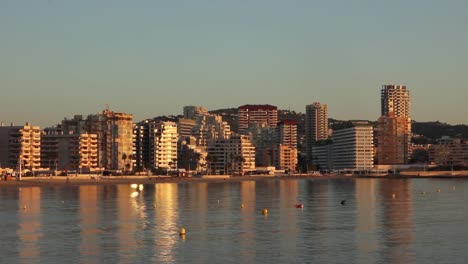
[(155, 144), (316, 126), (348, 148), (229, 156), (165, 145), (394, 126), (60, 151), (257, 114), (20, 144)]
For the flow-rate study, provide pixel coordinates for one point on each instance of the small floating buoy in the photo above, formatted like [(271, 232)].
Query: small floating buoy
[(182, 231), (393, 196), (24, 207), (343, 202), (423, 193), (438, 190), (134, 194), (154, 206), (453, 188), (134, 186), (265, 211), (242, 205), (299, 205), (63, 201)]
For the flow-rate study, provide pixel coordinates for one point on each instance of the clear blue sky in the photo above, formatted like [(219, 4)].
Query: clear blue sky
[(64, 57)]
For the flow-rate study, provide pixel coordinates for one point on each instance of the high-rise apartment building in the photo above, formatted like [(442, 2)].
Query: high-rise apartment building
[(257, 114), (394, 126), (115, 136), (165, 145), (20, 144), (287, 133), (316, 126)]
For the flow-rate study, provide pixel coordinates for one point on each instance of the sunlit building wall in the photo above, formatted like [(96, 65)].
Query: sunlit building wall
[(20, 143)]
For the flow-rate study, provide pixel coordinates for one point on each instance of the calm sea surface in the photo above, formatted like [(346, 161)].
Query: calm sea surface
[(105, 224)]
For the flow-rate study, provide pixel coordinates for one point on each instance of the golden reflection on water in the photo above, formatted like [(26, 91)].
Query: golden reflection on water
[(29, 217), (165, 231), (366, 222), (89, 221), (288, 215), (247, 244), (397, 220), (126, 219)]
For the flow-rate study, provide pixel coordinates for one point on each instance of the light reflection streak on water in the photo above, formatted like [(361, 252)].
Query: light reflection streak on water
[(366, 222), (396, 221), (126, 219), (166, 227), (89, 247), (247, 240), (29, 212)]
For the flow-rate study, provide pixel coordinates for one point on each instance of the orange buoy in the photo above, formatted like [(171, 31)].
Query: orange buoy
[(265, 211), (299, 205)]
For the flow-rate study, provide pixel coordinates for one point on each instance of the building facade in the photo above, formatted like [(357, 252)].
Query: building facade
[(194, 112), (235, 155), (348, 148), (449, 151), (115, 139), (287, 133), (165, 145), (20, 144), (316, 126), (257, 114), (394, 126)]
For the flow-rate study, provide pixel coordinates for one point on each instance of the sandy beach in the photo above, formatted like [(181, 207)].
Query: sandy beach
[(105, 180)]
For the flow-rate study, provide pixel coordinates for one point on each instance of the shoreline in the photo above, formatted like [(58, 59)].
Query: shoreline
[(115, 180)]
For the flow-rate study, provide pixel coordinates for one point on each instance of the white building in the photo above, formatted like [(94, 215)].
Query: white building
[(233, 155), (165, 145), (350, 148)]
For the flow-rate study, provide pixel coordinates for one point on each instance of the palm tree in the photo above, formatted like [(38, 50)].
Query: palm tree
[(124, 158), (211, 159)]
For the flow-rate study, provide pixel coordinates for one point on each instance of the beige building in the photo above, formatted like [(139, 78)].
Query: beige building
[(235, 155), (20, 143), (316, 126), (285, 157), (449, 151), (287, 133), (257, 114), (194, 112), (69, 151), (185, 126), (210, 128)]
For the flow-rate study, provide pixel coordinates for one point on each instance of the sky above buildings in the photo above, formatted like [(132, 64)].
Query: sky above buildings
[(64, 57)]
